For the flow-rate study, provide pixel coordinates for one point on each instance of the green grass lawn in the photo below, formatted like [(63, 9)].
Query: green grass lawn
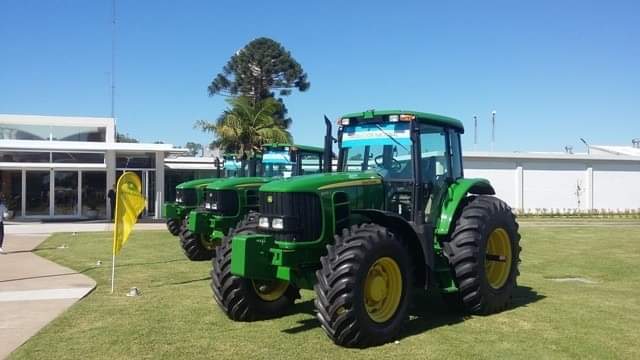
[(176, 316)]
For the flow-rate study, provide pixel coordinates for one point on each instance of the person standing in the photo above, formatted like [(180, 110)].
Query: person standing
[(3, 213), (112, 200)]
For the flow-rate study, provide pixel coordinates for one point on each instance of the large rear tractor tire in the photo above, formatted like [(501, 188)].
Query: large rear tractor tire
[(244, 299), (173, 226), (364, 287), (195, 247), (484, 253)]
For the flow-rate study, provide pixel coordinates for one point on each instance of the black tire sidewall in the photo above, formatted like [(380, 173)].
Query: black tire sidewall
[(499, 219), (397, 252)]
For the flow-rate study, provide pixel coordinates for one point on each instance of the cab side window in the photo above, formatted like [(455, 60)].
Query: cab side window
[(311, 163), (434, 157), (456, 154)]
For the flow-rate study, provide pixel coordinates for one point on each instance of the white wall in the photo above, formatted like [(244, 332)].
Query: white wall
[(617, 185), (529, 181)]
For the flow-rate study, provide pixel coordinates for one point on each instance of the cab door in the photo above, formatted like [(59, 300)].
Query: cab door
[(436, 153)]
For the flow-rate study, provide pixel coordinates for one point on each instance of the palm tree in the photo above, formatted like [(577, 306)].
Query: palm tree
[(244, 127)]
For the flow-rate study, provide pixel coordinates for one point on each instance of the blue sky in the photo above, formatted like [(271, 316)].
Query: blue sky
[(553, 70)]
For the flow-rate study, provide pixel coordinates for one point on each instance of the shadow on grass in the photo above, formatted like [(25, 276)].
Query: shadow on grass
[(51, 275), (189, 281), (428, 312)]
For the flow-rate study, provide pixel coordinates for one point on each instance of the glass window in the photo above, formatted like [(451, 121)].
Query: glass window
[(37, 193), (24, 132), (384, 148), (24, 156), (151, 193), (78, 133), (11, 190), (136, 161), (65, 200), (73, 157), (456, 152), (94, 187), (310, 163), (434, 158)]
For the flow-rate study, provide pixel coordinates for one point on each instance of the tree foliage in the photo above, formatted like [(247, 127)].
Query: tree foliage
[(125, 138), (194, 148), (245, 126), (258, 70)]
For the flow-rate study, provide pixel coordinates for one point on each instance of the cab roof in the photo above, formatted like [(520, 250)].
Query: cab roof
[(425, 118), (312, 149)]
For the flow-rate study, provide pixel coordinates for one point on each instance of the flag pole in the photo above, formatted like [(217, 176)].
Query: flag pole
[(113, 271)]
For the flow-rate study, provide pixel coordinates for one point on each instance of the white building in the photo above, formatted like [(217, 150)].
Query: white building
[(63, 167), (531, 182)]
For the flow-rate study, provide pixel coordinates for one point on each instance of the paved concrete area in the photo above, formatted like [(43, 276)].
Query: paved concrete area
[(33, 290), (49, 228)]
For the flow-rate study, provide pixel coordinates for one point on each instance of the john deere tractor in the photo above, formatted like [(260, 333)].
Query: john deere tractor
[(190, 194), (228, 201), (398, 217)]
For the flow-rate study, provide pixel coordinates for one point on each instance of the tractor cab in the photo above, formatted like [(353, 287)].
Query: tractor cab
[(416, 154)]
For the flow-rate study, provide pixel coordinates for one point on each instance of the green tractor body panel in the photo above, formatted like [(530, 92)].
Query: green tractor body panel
[(455, 194), (179, 210), (215, 224)]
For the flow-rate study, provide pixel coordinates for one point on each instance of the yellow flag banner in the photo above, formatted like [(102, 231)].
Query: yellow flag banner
[(129, 205)]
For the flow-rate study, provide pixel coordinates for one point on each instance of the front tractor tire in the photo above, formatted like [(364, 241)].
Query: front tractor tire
[(244, 299), (173, 226), (364, 287), (195, 247), (484, 253)]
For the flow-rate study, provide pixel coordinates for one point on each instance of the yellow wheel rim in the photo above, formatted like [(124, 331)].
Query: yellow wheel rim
[(497, 261), (270, 290), (383, 289)]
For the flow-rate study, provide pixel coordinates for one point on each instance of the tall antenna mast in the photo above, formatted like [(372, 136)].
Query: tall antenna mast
[(475, 132), (493, 129), (113, 58)]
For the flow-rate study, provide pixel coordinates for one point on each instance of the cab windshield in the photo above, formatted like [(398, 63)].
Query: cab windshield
[(233, 168), (276, 163), (381, 147)]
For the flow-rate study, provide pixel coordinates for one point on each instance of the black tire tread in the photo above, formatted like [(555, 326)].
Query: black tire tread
[(337, 278), (465, 258), (234, 294)]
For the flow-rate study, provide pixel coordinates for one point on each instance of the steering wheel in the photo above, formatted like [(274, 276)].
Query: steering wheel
[(395, 164)]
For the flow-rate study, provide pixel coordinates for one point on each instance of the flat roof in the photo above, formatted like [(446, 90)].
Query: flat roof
[(547, 156), (56, 120), (46, 145)]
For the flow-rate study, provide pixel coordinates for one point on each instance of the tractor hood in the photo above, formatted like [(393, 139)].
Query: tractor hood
[(236, 182), (326, 181), (196, 183)]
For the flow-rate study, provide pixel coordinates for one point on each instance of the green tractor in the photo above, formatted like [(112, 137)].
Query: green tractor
[(190, 194), (398, 217), (228, 201)]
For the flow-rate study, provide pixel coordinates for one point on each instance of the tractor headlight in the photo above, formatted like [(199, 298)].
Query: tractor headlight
[(214, 206), (263, 222), (178, 199), (207, 205), (277, 223)]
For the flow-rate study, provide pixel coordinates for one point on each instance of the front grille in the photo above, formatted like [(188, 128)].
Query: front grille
[(302, 215), (226, 200), (186, 197)]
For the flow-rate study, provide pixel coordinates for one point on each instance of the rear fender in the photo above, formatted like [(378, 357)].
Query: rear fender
[(456, 193)]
